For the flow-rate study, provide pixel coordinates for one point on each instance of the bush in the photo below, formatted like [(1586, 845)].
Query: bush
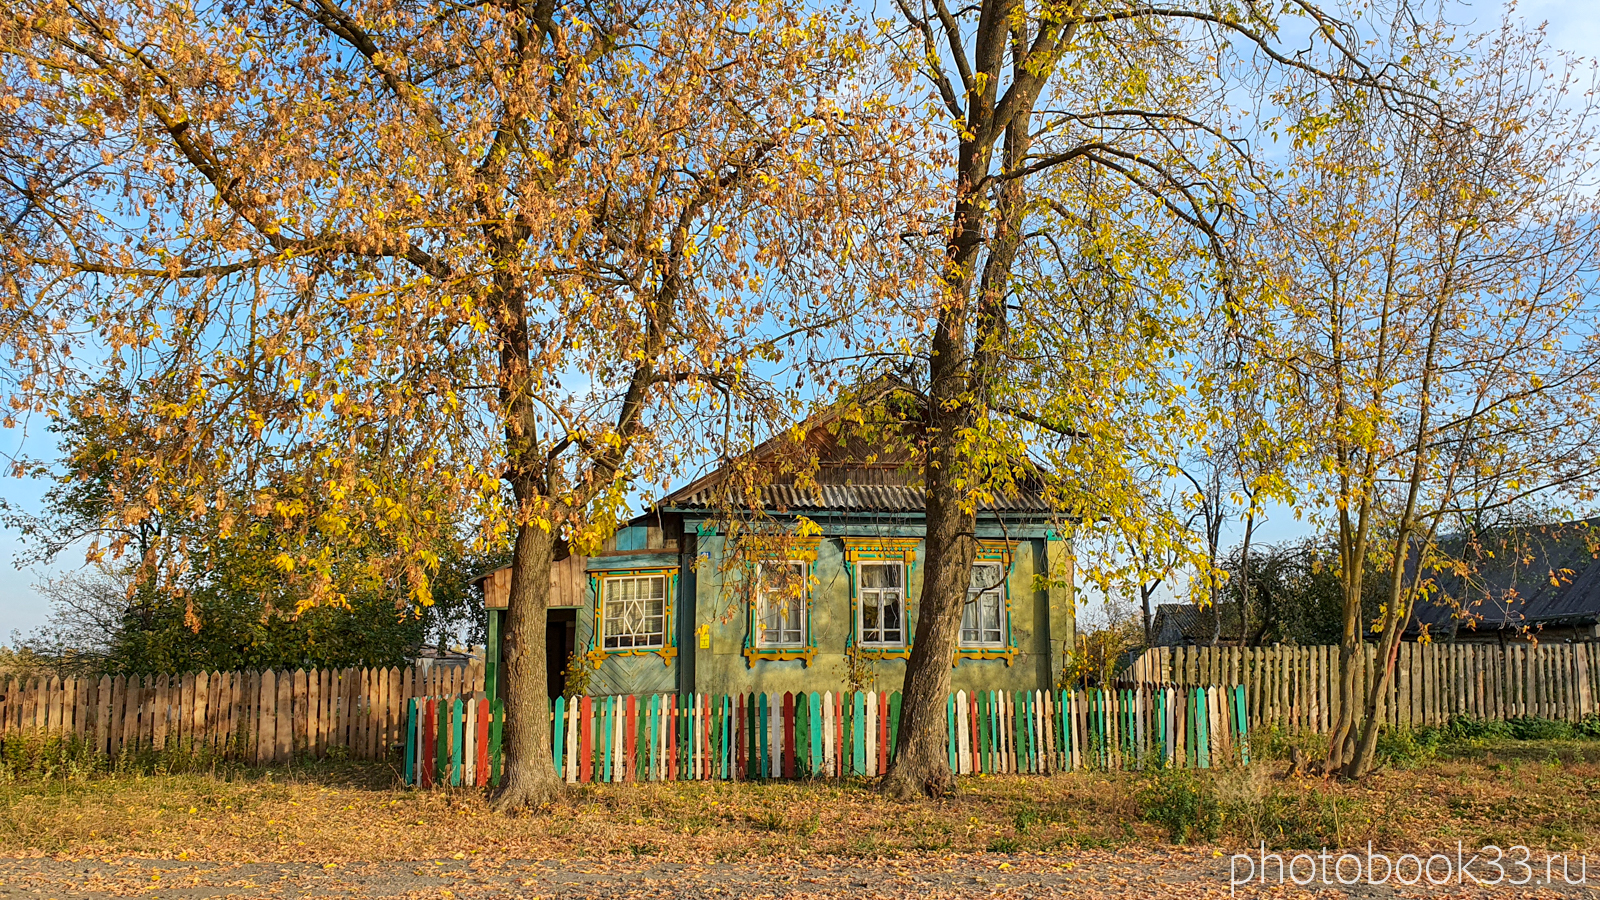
[(1183, 804), (49, 757), (1523, 728), (52, 757), (1406, 748), (1277, 742)]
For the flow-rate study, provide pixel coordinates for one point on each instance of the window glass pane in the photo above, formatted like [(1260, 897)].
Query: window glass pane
[(780, 604), (880, 575), (634, 611), (986, 576), (982, 619)]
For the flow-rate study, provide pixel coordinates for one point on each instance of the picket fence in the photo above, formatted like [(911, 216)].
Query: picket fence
[(701, 737), (257, 717), (1298, 687)]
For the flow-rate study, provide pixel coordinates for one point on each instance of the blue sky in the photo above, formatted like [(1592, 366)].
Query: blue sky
[(1574, 26)]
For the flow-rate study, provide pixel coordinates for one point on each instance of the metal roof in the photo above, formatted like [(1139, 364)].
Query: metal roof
[(1516, 589), (852, 498)]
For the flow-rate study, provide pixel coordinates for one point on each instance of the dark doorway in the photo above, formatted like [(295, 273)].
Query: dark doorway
[(561, 633)]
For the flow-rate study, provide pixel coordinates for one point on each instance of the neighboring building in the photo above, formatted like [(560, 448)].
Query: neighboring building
[(1188, 625), (691, 598), (1534, 583)]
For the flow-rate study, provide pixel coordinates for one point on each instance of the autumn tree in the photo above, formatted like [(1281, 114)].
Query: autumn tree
[(1436, 324), (425, 261), (1093, 207)]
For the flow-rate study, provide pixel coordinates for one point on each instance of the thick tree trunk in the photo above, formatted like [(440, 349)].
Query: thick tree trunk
[(922, 763), (528, 774)]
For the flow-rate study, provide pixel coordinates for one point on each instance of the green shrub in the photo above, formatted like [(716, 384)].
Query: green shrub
[(1276, 742), (52, 757), (49, 757), (1183, 804), (1406, 748), (1523, 728)]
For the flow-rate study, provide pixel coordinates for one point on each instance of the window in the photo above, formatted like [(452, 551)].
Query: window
[(635, 612), (983, 618), (882, 592), (781, 604)]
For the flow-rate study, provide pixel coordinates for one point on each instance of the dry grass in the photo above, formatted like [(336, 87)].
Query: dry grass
[(1540, 795)]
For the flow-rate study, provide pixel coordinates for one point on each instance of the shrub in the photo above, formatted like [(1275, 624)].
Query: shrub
[(47, 757), (1523, 728), (1406, 748), (1183, 804), (1276, 742)]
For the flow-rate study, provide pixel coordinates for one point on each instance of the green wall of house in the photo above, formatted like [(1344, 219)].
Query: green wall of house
[(1039, 610)]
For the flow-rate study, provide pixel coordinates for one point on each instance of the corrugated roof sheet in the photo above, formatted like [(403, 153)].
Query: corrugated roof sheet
[(853, 498), (1509, 592)]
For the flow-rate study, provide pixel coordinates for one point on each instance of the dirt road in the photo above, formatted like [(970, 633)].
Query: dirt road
[(1190, 875)]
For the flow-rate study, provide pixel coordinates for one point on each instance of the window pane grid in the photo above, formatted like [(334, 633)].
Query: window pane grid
[(781, 604), (635, 615), (982, 619), (882, 601)]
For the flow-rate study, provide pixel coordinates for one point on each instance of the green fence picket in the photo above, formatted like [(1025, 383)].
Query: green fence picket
[(497, 724), (1242, 723), (411, 740), (894, 724), (860, 743), (558, 721)]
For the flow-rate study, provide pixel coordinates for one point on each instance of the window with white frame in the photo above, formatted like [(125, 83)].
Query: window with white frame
[(781, 604), (635, 612), (881, 603), (983, 618)]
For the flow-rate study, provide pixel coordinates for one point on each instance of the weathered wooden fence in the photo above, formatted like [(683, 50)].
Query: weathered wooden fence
[(1298, 687), (701, 737), (259, 717)]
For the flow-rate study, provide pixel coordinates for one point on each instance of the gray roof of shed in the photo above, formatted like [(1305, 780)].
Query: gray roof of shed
[(1515, 589)]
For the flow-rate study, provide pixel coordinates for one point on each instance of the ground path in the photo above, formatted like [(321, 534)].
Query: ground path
[(1088, 874)]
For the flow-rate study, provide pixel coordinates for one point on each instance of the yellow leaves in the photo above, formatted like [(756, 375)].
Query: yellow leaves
[(284, 563)]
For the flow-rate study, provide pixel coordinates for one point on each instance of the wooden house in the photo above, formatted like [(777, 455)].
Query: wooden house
[(805, 581)]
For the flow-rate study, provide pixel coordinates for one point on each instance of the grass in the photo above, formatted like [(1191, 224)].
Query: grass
[(1486, 789)]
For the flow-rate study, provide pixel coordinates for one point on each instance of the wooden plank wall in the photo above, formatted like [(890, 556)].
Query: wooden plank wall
[(258, 717), (1298, 687)]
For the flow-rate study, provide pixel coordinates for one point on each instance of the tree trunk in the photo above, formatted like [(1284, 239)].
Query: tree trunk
[(1359, 760), (922, 763), (528, 775), (1341, 741)]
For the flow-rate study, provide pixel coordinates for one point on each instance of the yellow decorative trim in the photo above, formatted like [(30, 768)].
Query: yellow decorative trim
[(669, 638), (878, 548), (1005, 653), (778, 654), (785, 547), (999, 550), (883, 652)]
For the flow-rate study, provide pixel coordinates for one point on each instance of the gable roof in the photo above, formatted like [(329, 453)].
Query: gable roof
[(853, 474)]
